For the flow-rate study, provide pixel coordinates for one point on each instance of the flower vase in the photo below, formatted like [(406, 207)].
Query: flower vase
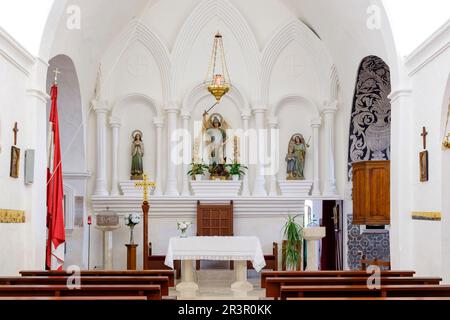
[(183, 233), (131, 235)]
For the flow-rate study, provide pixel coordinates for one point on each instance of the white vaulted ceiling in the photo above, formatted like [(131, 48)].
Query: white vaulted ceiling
[(412, 20)]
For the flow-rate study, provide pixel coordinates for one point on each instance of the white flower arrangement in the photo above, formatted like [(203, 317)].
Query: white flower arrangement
[(132, 220), (183, 226)]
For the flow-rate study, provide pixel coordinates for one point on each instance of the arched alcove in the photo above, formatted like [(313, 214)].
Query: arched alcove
[(70, 110), (295, 114), (369, 139), (136, 112), (370, 122), (73, 150)]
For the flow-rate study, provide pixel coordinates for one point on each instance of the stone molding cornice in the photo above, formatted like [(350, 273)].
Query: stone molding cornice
[(399, 93), (15, 53), (429, 50)]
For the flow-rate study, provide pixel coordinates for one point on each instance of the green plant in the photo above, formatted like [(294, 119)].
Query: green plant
[(236, 169), (197, 169), (293, 232)]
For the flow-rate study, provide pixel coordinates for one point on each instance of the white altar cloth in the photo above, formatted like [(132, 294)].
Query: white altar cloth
[(216, 248)]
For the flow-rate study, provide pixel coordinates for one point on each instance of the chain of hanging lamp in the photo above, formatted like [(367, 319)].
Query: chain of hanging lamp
[(218, 83)]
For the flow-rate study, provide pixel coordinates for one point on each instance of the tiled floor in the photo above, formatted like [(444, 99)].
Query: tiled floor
[(216, 285)]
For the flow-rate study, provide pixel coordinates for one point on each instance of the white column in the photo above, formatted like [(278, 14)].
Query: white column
[(403, 178), (245, 154), (187, 154), (330, 182), (273, 123), (259, 186), (101, 109), (159, 123), (37, 99), (108, 250), (315, 124), (115, 127), (171, 182)]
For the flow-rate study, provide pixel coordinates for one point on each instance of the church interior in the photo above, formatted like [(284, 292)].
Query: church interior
[(224, 149)]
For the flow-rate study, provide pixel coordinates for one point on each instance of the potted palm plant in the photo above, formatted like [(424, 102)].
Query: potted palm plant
[(197, 171), (293, 233), (236, 170)]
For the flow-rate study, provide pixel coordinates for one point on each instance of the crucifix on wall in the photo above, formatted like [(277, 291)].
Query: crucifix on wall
[(424, 137), (423, 158), (15, 156), (15, 130)]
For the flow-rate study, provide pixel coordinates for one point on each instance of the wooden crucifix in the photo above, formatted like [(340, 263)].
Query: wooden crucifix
[(424, 137), (15, 130), (145, 184)]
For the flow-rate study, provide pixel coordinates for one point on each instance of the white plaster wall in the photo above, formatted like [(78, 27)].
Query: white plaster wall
[(16, 240), (429, 82)]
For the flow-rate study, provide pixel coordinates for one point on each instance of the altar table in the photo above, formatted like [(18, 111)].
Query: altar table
[(237, 249)]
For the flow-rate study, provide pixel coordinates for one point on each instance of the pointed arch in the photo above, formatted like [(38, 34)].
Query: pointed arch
[(296, 31), (122, 102), (138, 32), (294, 98), (234, 20)]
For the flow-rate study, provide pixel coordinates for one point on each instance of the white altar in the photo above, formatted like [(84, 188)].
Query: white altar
[(237, 249)]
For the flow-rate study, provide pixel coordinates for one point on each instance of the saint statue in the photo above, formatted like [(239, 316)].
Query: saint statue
[(137, 155), (296, 157), (216, 138)]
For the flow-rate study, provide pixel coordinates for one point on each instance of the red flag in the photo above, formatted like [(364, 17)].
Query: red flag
[(55, 214)]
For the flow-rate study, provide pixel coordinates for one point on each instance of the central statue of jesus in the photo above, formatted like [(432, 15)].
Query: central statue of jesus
[(216, 138)]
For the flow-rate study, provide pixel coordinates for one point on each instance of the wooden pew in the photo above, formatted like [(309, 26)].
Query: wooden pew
[(151, 292), (74, 298), (106, 273), (372, 299), (63, 280), (316, 274), (273, 285), (364, 291)]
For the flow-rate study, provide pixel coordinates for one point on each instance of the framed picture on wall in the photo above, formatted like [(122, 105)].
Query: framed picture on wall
[(15, 162), (423, 157)]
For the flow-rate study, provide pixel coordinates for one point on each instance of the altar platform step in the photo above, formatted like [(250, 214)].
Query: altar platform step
[(215, 285)]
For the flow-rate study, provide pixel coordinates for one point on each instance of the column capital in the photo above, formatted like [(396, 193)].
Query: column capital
[(246, 114), (100, 106), (330, 107), (259, 109), (316, 122), (114, 122), (185, 115), (173, 107), (273, 122), (399, 93), (158, 122)]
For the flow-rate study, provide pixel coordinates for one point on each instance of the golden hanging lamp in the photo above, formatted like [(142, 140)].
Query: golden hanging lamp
[(446, 142), (217, 78)]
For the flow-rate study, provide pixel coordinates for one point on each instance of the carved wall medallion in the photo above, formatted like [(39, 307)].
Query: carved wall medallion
[(107, 220)]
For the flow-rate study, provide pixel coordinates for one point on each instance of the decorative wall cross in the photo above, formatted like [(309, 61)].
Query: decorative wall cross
[(16, 130), (145, 184), (56, 72), (424, 136)]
